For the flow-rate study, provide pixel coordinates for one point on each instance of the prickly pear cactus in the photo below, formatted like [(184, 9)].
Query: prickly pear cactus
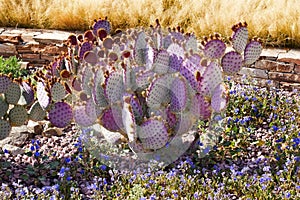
[(148, 88)]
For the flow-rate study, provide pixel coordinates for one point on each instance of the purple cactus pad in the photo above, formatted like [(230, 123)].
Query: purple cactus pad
[(232, 62), (4, 83), (240, 39), (214, 49), (252, 52), (61, 114)]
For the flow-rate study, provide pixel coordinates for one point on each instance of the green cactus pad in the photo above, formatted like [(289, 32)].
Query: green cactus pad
[(18, 116), (5, 81), (162, 62), (3, 106), (61, 114), (252, 52), (58, 92), (153, 134), (219, 98), (214, 49), (114, 87), (240, 39), (36, 112), (13, 93), (5, 129), (211, 78), (232, 62)]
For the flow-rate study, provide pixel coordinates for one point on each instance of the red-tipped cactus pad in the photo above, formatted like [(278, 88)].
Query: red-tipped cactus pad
[(61, 114), (153, 134), (232, 62), (101, 24), (240, 39)]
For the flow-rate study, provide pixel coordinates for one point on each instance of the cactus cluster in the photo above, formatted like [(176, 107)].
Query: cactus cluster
[(145, 87), (148, 87)]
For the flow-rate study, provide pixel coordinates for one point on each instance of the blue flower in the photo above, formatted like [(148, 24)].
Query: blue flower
[(6, 151), (287, 195), (80, 149), (103, 167), (68, 160), (32, 148), (69, 178), (275, 128), (37, 154)]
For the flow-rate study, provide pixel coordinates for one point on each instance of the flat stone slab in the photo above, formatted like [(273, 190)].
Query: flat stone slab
[(54, 37), (272, 52), (292, 56)]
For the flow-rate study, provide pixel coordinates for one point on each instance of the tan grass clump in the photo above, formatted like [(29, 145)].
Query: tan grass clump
[(277, 22)]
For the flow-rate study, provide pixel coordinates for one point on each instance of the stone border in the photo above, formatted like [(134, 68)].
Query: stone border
[(38, 47)]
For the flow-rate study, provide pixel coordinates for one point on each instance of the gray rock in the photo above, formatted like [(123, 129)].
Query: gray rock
[(17, 136), (13, 150)]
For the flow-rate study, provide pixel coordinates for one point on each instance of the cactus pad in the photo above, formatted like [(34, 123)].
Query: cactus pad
[(85, 47), (27, 94), (111, 119), (214, 49), (161, 63), (82, 118), (129, 120), (175, 63), (114, 87), (232, 62), (211, 78), (58, 92), (18, 116), (42, 95), (101, 24), (178, 95), (176, 49), (36, 112), (200, 107), (240, 38), (61, 114), (153, 134), (252, 52), (3, 106), (5, 129), (4, 83), (13, 93)]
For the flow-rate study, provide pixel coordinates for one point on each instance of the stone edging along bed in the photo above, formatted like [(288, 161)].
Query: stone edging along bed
[(37, 47)]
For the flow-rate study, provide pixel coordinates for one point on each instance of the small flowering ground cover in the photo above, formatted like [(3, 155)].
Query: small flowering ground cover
[(257, 157)]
